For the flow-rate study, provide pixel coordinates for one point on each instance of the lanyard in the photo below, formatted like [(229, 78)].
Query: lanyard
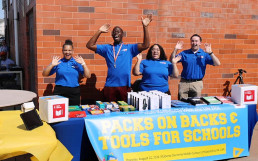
[(115, 56)]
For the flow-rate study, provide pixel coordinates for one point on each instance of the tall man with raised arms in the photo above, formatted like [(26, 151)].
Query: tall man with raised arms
[(119, 57)]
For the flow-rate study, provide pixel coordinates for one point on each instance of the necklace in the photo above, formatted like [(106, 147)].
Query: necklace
[(116, 55)]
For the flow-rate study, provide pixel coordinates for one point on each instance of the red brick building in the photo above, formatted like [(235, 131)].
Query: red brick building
[(231, 26)]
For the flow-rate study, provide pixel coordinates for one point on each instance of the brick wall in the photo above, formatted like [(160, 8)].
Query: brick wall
[(230, 26)]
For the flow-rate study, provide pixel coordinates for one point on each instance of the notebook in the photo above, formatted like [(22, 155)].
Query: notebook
[(196, 101), (211, 100), (224, 99)]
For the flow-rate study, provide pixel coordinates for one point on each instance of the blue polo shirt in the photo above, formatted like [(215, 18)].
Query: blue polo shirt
[(194, 65), (121, 74), (67, 73), (155, 75)]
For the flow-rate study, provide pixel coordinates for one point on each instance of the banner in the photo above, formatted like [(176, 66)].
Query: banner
[(190, 134)]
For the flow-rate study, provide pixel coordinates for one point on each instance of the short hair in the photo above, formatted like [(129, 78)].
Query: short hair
[(162, 53), (119, 28), (68, 42), (197, 36)]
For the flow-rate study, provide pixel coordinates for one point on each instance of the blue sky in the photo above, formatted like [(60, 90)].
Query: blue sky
[(1, 11)]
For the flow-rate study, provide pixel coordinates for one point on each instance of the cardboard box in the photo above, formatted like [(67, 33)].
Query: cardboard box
[(74, 108), (134, 99), (53, 108), (107, 105), (126, 108), (121, 103), (165, 101), (244, 94), (153, 102), (84, 107), (114, 104), (142, 103), (129, 97), (100, 104)]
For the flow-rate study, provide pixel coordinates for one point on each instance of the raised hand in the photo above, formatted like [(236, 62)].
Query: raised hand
[(179, 45), (104, 28), (139, 57), (56, 60), (147, 20), (79, 60), (176, 59), (208, 48)]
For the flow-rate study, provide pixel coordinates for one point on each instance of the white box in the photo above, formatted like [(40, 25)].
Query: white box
[(28, 106), (244, 94), (153, 101), (129, 97), (166, 101), (108, 105), (141, 103), (134, 100), (53, 108), (114, 104)]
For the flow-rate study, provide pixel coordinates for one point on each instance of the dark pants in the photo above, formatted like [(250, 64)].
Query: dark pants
[(116, 93), (73, 93)]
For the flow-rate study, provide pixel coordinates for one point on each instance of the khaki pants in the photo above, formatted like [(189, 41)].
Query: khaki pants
[(189, 89)]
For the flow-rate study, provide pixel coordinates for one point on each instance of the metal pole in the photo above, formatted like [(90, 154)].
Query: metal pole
[(16, 33)]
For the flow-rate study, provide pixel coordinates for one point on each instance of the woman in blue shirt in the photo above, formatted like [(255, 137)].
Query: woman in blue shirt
[(67, 72), (155, 70)]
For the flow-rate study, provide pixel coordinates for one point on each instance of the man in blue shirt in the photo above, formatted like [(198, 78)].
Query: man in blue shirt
[(194, 63), (119, 57)]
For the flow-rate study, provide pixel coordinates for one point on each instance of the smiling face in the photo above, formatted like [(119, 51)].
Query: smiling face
[(195, 43), (117, 35), (155, 52), (67, 51)]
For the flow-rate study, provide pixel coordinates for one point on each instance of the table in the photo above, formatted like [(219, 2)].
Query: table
[(252, 119), (15, 97), (16, 140), (191, 133), (14, 72), (253, 149), (73, 135)]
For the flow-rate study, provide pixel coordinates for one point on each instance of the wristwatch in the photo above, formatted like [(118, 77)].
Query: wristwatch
[(210, 53)]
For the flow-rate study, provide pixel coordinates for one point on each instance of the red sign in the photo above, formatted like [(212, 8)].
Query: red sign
[(58, 110), (248, 95)]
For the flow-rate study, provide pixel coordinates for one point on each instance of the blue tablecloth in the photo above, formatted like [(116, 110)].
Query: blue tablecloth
[(252, 119), (73, 135)]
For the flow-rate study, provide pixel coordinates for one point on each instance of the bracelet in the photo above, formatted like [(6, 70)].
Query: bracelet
[(210, 53), (83, 64)]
